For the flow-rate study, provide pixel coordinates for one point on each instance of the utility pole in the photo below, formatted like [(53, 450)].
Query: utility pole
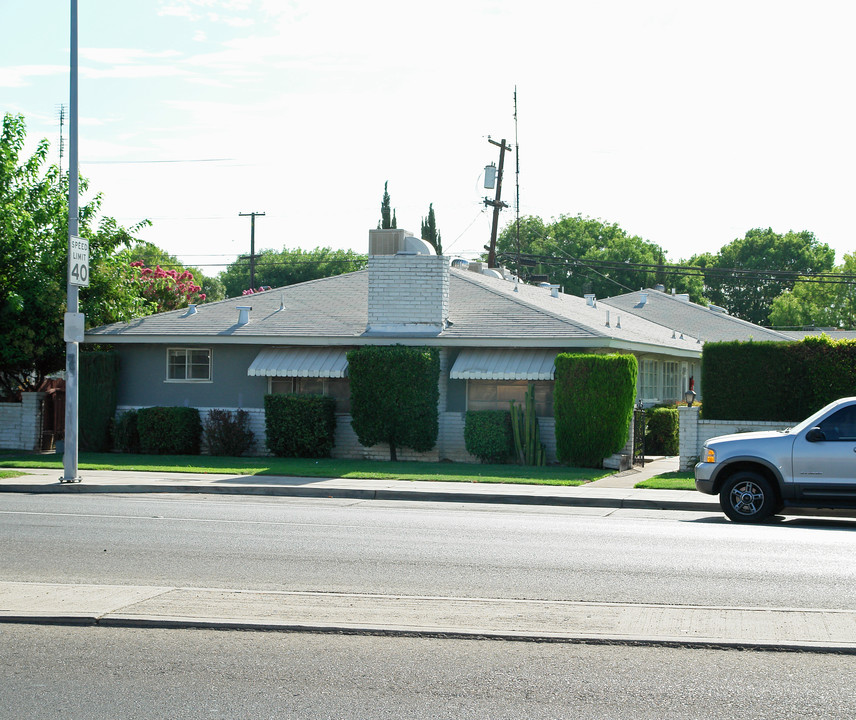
[(73, 331), (252, 256), (496, 203)]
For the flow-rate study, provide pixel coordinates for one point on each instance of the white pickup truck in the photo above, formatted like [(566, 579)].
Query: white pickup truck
[(758, 474)]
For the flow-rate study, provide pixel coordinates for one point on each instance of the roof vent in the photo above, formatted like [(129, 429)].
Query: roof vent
[(460, 263), (643, 298), (659, 287), (607, 318), (718, 309), (191, 310), (683, 297), (244, 314), (590, 301), (618, 324), (554, 291)]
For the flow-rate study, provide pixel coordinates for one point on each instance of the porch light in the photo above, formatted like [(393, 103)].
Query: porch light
[(689, 397)]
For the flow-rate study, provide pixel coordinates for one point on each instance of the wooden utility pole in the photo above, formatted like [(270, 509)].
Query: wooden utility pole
[(252, 256), (496, 203)]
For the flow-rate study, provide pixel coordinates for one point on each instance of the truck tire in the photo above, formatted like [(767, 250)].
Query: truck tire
[(748, 496)]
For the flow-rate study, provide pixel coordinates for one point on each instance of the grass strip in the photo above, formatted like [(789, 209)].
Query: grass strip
[(682, 480), (324, 467)]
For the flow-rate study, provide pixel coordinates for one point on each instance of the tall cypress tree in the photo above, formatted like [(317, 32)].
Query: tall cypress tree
[(429, 231), (387, 216)]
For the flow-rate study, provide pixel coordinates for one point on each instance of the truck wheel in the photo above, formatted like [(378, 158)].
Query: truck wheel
[(747, 496)]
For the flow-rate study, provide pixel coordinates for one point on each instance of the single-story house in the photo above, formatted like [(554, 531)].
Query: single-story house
[(495, 336)]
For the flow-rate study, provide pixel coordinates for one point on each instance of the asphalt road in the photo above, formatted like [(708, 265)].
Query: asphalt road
[(93, 673), (423, 549)]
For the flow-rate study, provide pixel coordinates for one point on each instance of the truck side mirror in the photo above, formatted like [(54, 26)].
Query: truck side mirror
[(815, 435)]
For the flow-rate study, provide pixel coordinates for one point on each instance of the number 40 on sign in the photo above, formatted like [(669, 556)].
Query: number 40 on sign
[(78, 261)]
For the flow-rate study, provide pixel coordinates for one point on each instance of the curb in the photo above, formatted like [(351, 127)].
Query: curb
[(415, 495), (227, 624)]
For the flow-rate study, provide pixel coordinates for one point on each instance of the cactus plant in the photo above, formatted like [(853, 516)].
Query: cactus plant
[(527, 435)]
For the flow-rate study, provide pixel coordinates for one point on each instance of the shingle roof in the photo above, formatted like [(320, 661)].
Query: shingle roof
[(486, 310), (690, 318)]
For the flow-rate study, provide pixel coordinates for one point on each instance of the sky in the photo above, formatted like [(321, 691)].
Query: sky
[(685, 123)]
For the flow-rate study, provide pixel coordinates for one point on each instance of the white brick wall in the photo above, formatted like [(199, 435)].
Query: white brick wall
[(21, 423), (408, 292), (694, 432)]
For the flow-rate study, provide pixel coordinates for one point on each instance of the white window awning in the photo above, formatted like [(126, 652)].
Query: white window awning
[(300, 362), (504, 364)]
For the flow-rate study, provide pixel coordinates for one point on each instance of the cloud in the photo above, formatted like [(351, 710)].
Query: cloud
[(123, 56), (19, 75), (133, 72)]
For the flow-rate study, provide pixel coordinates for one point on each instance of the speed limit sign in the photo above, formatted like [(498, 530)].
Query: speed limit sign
[(78, 261)]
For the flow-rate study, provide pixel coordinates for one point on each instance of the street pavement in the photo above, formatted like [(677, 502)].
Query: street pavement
[(141, 606)]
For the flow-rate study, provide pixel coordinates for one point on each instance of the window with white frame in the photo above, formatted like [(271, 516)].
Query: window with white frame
[(648, 381), (671, 381), (337, 388), (188, 364)]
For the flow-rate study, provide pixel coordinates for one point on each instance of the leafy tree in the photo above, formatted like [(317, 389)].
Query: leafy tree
[(750, 295), (34, 248), (287, 267), (394, 396), (563, 247), (429, 231), (386, 221), (819, 304), (152, 256)]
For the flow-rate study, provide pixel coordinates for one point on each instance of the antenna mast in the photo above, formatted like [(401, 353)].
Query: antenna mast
[(517, 180)]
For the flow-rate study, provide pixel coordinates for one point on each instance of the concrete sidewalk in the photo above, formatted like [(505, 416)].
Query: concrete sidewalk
[(534, 620), (614, 491)]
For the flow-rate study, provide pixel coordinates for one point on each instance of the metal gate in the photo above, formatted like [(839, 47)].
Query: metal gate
[(639, 426)]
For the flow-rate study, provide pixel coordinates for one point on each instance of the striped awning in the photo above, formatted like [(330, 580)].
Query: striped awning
[(300, 362), (505, 364)]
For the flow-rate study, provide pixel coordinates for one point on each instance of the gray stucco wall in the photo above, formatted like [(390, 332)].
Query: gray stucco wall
[(142, 378)]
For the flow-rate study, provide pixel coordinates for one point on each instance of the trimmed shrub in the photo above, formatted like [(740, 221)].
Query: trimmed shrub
[(661, 437), (593, 406), (169, 430), (488, 435), (300, 425), (126, 439), (394, 396), (99, 378), (227, 433), (776, 381)]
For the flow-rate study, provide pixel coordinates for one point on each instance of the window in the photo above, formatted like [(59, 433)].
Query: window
[(841, 425), (490, 395), (671, 381), (648, 385), (188, 364), (337, 388)]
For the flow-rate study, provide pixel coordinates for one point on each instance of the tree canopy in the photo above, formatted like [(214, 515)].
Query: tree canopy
[(749, 273), (277, 268), (430, 232), (819, 304), (387, 215), (583, 255), (34, 248)]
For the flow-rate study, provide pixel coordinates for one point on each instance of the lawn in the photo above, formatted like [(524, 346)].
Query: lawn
[(326, 467), (683, 480)]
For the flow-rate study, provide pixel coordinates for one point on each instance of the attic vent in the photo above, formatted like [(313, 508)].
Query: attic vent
[(590, 299), (683, 297), (244, 314), (718, 309), (191, 310), (643, 298)]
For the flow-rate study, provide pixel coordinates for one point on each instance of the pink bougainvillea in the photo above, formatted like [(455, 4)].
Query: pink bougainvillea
[(167, 289)]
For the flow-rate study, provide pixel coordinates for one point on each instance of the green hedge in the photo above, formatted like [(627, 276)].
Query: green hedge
[(300, 425), (227, 433), (394, 396), (488, 435), (776, 381), (661, 431), (593, 406), (99, 379), (169, 430), (126, 438)]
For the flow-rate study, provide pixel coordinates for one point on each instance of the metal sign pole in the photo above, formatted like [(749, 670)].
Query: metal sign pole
[(69, 458)]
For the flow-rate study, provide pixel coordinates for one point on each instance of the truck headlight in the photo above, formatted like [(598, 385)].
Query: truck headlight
[(709, 455)]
